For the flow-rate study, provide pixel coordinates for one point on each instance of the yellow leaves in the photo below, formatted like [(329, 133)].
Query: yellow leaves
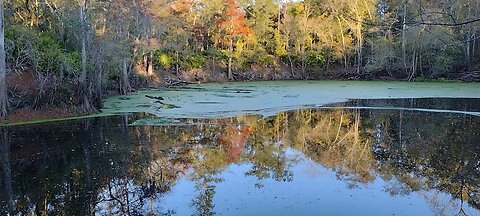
[(165, 60), (333, 138), (465, 196), (239, 47)]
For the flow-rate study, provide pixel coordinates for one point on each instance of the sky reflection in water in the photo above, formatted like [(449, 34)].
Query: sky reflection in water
[(303, 162)]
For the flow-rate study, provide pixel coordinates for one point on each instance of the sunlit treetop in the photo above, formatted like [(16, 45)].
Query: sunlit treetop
[(181, 6), (233, 21)]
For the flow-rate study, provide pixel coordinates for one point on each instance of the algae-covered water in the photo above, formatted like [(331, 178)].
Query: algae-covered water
[(269, 98), (263, 148)]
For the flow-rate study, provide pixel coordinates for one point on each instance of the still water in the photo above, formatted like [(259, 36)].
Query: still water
[(371, 157)]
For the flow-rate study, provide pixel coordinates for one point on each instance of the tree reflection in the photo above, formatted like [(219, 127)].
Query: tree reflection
[(444, 157), (333, 138), (104, 166), (7, 197)]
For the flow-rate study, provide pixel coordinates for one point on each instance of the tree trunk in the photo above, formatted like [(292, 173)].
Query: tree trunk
[(230, 60), (360, 49), (306, 13), (145, 62), (404, 46), (343, 44), (304, 67), (177, 68), (292, 71), (64, 47), (98, 90), (360, 42), (126, 82), (473, 47), (150, 65), (468, 39), (83, 76), (467, 49), (3, 68), (414, 66)]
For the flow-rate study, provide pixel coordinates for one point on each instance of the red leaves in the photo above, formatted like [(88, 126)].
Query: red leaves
[(233, 22), (234, 141)]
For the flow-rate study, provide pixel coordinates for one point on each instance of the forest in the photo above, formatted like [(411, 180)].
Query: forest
[(67, 56)]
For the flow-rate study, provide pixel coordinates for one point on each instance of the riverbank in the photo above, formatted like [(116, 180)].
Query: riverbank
[(30, 116)]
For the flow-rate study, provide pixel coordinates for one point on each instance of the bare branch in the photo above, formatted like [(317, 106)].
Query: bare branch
[(445, 24)]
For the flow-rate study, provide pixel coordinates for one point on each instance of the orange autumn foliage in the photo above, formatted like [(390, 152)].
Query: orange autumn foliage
[(233, 23), (234, 141), (181, 6)]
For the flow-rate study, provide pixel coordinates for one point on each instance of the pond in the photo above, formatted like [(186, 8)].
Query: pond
[(404, 156)]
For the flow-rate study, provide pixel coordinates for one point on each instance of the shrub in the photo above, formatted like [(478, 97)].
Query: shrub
[(316, 59), (196, 61), (29, 49), (72, 60), (446, 60), (296, 60), (163, 59), (383, 56), (262, 59), (20, 48), (48, 55)]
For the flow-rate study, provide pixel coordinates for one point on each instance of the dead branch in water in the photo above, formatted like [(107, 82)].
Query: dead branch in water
[(176, 82)]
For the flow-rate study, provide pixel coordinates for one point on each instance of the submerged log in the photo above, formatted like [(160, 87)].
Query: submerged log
[(155, 98)]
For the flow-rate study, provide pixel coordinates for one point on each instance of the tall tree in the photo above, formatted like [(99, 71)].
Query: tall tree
[(233, 27), (3, 67), (84, 94), (261, 15), (179, 29), (305, 33)]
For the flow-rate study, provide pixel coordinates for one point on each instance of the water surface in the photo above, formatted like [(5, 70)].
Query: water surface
[(267, 98), (357, 160)]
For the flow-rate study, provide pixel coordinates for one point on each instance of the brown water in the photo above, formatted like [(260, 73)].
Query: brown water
[(374, 157)]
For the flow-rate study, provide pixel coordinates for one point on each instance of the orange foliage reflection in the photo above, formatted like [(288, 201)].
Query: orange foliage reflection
[(234, 140)]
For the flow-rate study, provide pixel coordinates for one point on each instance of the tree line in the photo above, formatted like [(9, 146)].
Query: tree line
[(73, 53)]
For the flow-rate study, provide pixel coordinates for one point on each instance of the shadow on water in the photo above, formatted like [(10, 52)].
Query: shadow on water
[(439, 105), (458, 104), (315, 160)]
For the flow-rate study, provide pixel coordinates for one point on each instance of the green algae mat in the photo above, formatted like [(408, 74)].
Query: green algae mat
[(221, 100)]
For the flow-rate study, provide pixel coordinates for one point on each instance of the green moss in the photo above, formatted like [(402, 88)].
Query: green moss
[(169, 106)]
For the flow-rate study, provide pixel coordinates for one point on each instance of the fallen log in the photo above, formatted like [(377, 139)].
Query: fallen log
[(176, 82), (155, 98)]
